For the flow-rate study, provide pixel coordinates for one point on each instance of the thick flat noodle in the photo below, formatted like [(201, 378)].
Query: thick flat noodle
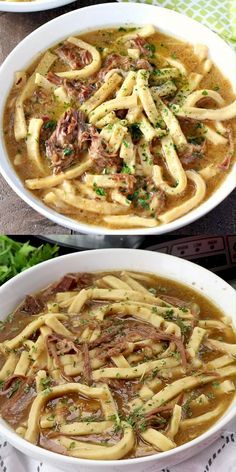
[(33, 140), (89, 451), (220, 114), (54, 180), (174, 167)]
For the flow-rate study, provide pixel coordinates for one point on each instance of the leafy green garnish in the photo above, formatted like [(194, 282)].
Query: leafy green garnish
[(15, 257), (143, 201), (50, 124), (99, 190), (135, 131)]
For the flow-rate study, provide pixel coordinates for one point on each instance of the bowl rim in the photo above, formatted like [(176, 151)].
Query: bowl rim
[(12, 178), (12, 436), (29, 6)]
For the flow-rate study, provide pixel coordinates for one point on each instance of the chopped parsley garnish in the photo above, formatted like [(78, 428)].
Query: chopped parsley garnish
[(135, 132), (152, 290), (45, 383), (151, 48), (50, 124), (215, 384), (72, 445), (14, 388), (133, 196)]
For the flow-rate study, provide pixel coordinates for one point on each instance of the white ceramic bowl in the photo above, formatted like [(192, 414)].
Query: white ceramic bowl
[(35, 5), (202, 280), (99, 16)]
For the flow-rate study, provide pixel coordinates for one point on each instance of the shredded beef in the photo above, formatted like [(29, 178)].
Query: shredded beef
[(114, 61), (73, 56), (7, 386), (106, 337), (51, 445), (141, 44), (116, 341), (157, 410), (143, 64), (71, 137), (67, 283), (84, 280), (128, 180), (174, 301), (99, 152)]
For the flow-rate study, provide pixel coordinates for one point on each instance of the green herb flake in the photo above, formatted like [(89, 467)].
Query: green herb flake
[(50, 124), (67, 152)]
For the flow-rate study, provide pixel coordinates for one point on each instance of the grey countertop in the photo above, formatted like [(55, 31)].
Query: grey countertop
[(16, 216)]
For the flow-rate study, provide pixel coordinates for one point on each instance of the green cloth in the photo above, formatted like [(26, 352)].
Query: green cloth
[(218, 15)]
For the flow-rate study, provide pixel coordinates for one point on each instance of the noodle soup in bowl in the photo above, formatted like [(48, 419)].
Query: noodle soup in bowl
[(130, 137), (177, 290)]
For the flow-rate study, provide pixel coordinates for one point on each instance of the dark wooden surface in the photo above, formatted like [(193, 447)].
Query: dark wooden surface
[(16, 217)]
